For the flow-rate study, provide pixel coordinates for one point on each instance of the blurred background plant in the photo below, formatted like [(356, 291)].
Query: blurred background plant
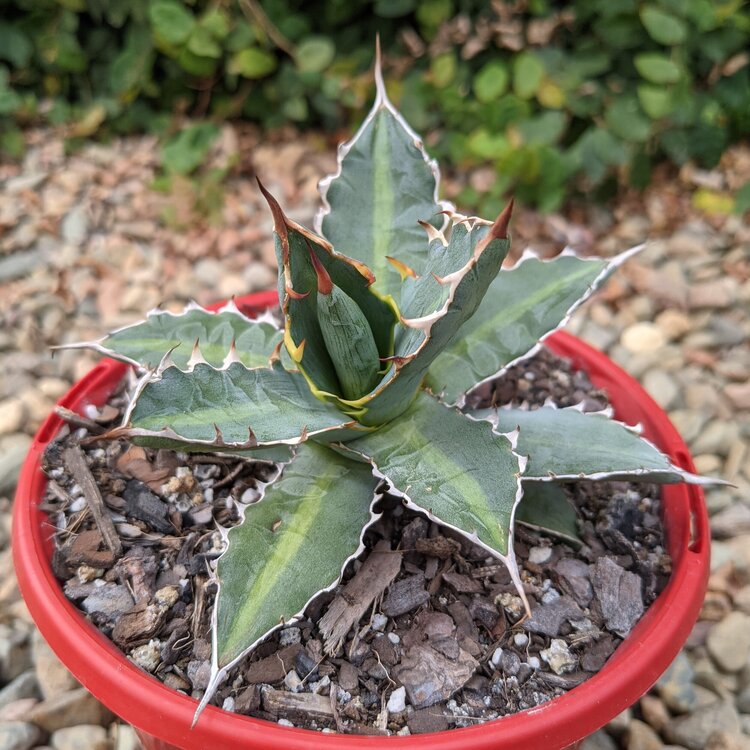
[(557, 97)]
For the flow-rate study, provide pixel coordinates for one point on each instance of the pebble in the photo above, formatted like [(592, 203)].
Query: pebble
[(642, 737), (694, 730), (397, 701), (293, 682), (52, 676), (23, 686), (87, 736), (19, 735), (662, 388), (12, 415), (643, 337), (13, 450), (289, 636), (728, 642), (68, 709), (676, 687), (558, 657), (540, 555)]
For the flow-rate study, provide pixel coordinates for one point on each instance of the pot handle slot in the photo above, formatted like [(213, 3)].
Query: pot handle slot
[(699, 531)]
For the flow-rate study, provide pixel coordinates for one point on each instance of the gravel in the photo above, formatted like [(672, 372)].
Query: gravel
[(86, 246)]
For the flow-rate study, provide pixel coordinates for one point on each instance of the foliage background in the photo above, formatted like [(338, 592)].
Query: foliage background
[(559, 97)]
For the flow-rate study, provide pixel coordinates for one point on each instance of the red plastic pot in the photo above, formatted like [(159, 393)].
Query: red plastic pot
[(162, 717)]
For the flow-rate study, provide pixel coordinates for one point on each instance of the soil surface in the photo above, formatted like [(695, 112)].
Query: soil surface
[(443, 641)]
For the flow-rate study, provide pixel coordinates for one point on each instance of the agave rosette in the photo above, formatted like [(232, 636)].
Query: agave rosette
[(393, 310)]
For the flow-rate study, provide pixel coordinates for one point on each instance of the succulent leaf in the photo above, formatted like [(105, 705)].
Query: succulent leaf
[(568, 444), (145, 343), (544, 506), (349, 342), (298, 282), (291, 545), (458, 470), (385, 184), (523, 305), (230, 408), (435, 307)]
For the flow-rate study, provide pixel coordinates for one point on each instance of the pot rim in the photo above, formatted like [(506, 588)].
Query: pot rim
[(158, 711)]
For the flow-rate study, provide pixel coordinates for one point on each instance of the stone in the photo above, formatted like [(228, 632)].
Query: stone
[(75, 226), (23, 686), (273, 668), (429, 677), (289, 636), (13, 450), (52, 676), (654, 712), (540, 555), (675, 686), (108, 601), (427, 720), (12, 416), (662, 388), (642, 737), (84, 735), (595, 656), (728, 642), (722, 740), (718, 437), (68, 709), (147, 656), (674, 323), (126, 738), (643, 337), (574, 578), (619, 593), (17, 710), (693, 730), (292, 681), (599, 740), (548, 619), (738, 394), (717, 294), (405, 595), (15, 654), (558, 657), (731, 522), (397, 701), (19, 735)]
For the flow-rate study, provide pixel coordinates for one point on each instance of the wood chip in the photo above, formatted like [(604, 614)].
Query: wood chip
[(292, 706), (370, 581), (76, 463), (440, 547)]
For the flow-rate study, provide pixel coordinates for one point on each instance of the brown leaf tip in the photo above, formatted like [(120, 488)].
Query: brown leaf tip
[(325, 285), (500, 227)]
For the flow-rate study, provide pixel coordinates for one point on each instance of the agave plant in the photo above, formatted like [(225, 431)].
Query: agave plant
[(394, 309)]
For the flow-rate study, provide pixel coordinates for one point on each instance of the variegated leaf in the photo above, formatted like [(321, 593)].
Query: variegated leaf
[(458, 470), (291, 545), (544, 506), (566, 444), (435, 309), (297, 292), (147, 342), (523, 305), (232, 407), (385, 184)]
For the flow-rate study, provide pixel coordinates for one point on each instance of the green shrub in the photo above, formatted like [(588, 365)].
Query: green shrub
[(555, 95)]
